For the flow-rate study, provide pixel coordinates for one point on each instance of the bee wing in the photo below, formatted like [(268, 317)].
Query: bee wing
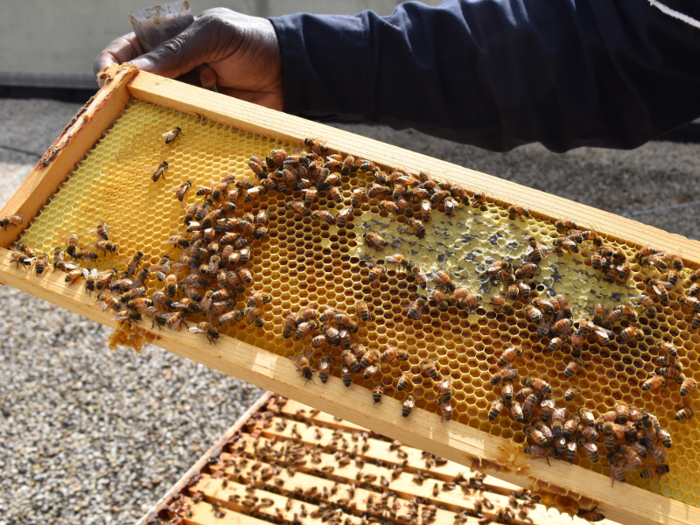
[(71, 266), (196, 330)]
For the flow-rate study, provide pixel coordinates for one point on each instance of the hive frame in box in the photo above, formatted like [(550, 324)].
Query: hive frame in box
[(496, 456)]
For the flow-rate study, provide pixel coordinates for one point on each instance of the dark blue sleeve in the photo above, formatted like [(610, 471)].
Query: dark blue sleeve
[(500, 73)]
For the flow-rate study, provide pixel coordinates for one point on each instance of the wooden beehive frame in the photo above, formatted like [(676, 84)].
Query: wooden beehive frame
[(497, 456), (261, 425)]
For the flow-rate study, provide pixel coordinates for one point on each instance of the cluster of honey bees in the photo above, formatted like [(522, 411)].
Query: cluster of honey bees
[(629, 435)]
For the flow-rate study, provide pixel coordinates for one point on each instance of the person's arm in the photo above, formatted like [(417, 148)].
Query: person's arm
[(497, 73)]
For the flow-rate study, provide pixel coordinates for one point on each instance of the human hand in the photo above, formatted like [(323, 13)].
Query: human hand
[(239, 54)]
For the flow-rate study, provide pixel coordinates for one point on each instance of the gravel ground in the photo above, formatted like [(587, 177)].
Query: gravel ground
[(88, 435)]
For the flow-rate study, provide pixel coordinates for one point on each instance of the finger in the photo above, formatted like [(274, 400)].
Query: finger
[(207, 76), (191, 48), (118, 51)]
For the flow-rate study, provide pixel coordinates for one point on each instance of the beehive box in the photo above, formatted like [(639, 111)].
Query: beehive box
[(283, 461), (100, 168)]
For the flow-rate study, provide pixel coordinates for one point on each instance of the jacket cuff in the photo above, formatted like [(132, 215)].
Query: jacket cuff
[(325, 64)]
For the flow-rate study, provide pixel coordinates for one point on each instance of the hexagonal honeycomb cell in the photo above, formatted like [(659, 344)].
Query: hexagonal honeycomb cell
[(306, 262)]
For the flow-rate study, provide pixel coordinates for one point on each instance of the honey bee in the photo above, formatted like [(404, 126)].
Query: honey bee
[(535, 314), (369, 358), (566, 225), (254, 316), (502, 304), (134, 262), (341, 219), (547, 406), (336, 194), (392, 353), (324, 367), (377, 392), (537, 436), (41, 263), (688, 385), (362, 310), (563, 326), (408, 403), (445, 410), (630, 334), (351, 360), (160, 171), (538, 384), (110, 302), (497, 407), (231, 318), (405, 379), (415, 311), (258, 298), (303, 329), (507, 372), (323, 215), (444, 280), (513, 291), (572, 367), (450, 206), (303, 364), (205, 328), (374, 240), (420, 276), (684, 413), (603, 336), (440, 299), (572, 393), (11, 220), (544, 328), (429, 369), (516, 411), (375, 272), (507, 390), (357, 195), (478, 200), (171, 135), (91, 280), (509, 355), (298, 207), (346, 375), (106, 246), (518, 211), (654, 472), (526, 271), (127, 316), (654, 383)]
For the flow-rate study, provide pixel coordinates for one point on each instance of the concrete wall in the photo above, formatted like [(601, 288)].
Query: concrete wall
[(54, 42)]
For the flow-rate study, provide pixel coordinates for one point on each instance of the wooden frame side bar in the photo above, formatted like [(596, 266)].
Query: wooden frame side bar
[(256, 119), (214, 451), (423, 430), (78, 137)]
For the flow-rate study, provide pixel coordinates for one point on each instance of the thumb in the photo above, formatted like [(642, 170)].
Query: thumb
[(174, 57)]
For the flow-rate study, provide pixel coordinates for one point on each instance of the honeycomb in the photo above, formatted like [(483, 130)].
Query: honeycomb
[(306, 262)]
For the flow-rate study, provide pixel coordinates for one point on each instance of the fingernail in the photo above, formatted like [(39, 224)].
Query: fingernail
[(144, 64)]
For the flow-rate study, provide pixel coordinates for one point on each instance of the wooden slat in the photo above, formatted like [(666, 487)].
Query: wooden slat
[(202, 515), (223, 491), (381, 450), (288, 485), (214, 451), (75, 140), (291, 407), (404, 485), (256, 119), (423, 430)]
